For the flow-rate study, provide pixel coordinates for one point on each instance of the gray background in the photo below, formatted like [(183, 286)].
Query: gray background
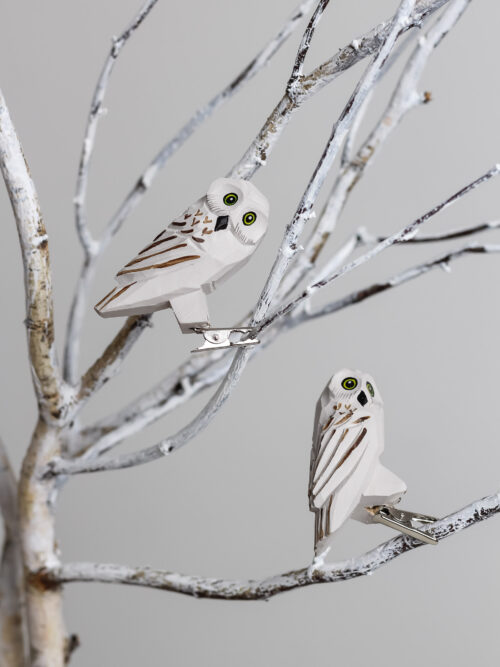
[(233, 503)]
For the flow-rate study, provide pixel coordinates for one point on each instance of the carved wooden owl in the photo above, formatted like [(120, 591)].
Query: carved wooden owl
[(212, 239), (346, 475)]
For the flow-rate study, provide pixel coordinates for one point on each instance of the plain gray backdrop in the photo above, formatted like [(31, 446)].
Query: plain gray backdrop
[(233, 503)]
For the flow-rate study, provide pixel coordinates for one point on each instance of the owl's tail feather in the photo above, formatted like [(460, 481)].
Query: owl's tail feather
[(322, 523), (132, 299)]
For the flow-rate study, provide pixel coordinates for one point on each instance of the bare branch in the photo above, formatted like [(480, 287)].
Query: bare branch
[(449, 236), (37, 277), (404, 98), (259, 150), (264, 589), (11, 591), (144, 182), (407, 232), (293, 231), (442, 261), (304, 46), (110, 361), (89, 245)]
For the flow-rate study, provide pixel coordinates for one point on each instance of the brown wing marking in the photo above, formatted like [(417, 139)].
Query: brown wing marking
[(115, 296), (197, 239), (154, 254), (153, 245), (158, 235), (187, 231), (187, 215), (163, 265), (207, 231), (322, 451), (177, 224), (355, 444), (105, 297)]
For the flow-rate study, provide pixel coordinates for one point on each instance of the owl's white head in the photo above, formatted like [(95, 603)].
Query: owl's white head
[(240, 207), (354, 388)]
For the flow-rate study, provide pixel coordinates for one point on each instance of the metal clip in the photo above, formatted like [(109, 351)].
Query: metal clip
[(403, 521), (220, 339)]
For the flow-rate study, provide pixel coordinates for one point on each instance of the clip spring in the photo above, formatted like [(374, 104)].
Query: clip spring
[(220, 339)]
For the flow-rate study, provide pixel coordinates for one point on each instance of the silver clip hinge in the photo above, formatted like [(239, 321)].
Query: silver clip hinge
[(221, 339), (404, 521)]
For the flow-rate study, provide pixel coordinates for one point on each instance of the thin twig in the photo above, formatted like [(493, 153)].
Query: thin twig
[(406, 233), (92, 248), (251, 589), (109, 363), (259, 150), (441, 261), (304, 46), (404, 98), (80, 200)]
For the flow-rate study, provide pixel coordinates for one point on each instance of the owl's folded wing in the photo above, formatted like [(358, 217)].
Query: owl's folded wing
[(339, 449), (167, 250)]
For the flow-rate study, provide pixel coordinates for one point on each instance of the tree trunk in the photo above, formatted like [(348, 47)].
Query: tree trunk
[(43, 602)]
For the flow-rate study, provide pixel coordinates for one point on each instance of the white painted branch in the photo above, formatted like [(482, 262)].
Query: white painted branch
[(33, 239), (144, 182), (403, 234), (293, 231), (404, 98), (304, 46), (251, 589), (11, 571), (259, 150), (89, 245), (442, 261), (92, 249)]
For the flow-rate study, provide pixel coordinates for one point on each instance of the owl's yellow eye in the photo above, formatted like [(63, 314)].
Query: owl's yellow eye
[(349, 383), (370, 388), (249, 218), (230, 199)]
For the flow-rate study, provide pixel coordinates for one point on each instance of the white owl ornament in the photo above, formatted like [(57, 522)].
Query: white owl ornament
[(346, 477), (211, 240)]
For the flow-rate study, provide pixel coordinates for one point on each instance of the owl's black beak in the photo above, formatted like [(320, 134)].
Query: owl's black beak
[(222, 222), (362, 398)]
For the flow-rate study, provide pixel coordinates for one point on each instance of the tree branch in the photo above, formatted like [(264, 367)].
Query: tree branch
[(259, 150), (442, 261), (33, 239), (403, 234), (92, 248), (404, 98), (264, 589), (11, 590), (80, 200), (304, 46)]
